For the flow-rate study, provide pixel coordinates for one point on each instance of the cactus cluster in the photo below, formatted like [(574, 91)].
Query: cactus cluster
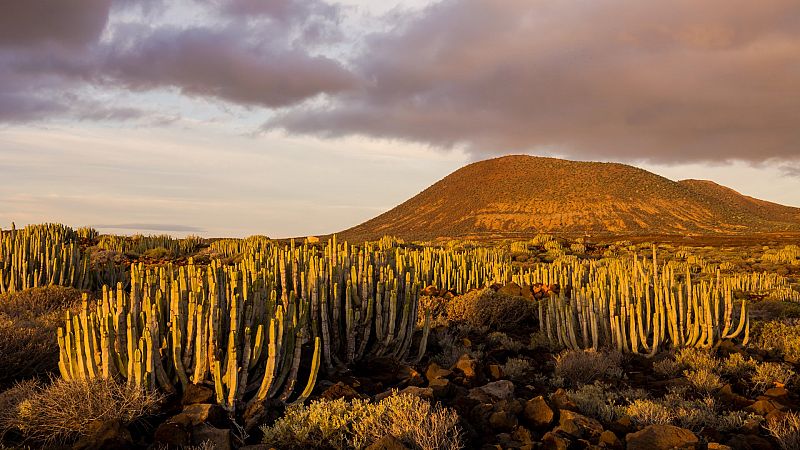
[(42, 255), (244, 327), (637, 307)]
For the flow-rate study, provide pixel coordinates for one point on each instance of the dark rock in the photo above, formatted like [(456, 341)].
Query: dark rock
[(467, 366), (656, 437), (173, 434), (495, 371), (434, 372), (197, 393), (749, 442), (538, 413), (579, 426), (425, 393), (442, 387), (623, 425), (717, 446), (218, 437), (340, 390), (496, 390), (777, 393), (387, 442), (502, 421), (105, 434), (407, 376), (764, 407), (553, 441), (727, 395), (201, 413), (609, 440), (561, 400)]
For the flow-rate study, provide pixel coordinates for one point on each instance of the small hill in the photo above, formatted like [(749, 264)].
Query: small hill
[(523, 195)]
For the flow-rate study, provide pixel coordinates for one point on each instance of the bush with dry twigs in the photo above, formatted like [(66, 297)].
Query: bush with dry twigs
[(587, 366), (486, 307), (63, 411), (341, 424)]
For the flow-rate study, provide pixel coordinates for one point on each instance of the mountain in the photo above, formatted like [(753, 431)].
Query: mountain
[(523, 195)]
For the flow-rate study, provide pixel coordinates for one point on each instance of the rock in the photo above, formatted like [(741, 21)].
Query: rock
[(257, 447), (749, 442), (200, 413), (442, 387), (387, 442), (172, 434), (425, 393), (561, 400), (609, 440), (552, 441), (340, 390), (579, 426), (657, 437), (727, 395), (409, 377), (502, 421), (491, 392), (764, 407), (434, 371), (220, 439), (495, 371), (777, 393), (197, 393), (467, 365), (623, 425), (717, 446), (430, 291), (105, 434), (538, 413)]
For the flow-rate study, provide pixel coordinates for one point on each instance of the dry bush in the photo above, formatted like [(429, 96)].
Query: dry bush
[(703, 380), (451, 344), (505, 341), (736, 366), (28, 323), (517, 369), (599, 401), (780, 336), (770, 374), (341, 424), (63, 411), (488, 308), (586, 366), (767, 310), (697, 359), (667, 367), (786, 430)]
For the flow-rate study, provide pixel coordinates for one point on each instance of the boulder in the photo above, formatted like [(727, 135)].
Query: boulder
[(764, 407), (609, 440), (502, 420), (554, 441), (749, 442), (561, 400), (172, 434), (538, 413), (340, 390), (196, 414), (219, 438), (495, 371), (661, 437), (424, 393), (579, 426), (467, 366), (105, 434), (434, 372), (491, 392), (408, 376), (442, 387), (197, 393)]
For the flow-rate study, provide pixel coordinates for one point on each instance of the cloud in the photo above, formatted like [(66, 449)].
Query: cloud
[(152, 227), (220, 63), (617, 79), (54, 22)]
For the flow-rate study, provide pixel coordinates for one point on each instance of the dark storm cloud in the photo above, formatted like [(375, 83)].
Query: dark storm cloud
[(624, 79), (51, 51), (63, 22)]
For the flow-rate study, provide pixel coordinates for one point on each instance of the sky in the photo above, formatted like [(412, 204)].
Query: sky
[(294, 118)]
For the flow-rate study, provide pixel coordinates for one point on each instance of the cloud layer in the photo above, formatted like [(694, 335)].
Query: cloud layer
[(609, 79)]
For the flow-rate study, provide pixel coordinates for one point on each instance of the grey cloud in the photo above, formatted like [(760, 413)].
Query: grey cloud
[(54, 22), (218, 63), (164, 227), (622, 79)]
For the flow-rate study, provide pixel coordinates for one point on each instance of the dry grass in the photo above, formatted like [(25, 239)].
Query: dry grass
[(786, 431), (63, 411), (586, 366), (341, 424), (780, 336), (28, 320)]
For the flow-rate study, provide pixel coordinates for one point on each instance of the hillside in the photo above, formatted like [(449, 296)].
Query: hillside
[(523, 195)]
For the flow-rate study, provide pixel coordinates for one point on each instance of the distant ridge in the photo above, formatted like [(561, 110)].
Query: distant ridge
[(523, 195)]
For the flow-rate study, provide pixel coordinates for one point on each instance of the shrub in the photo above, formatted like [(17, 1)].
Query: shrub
[(596, 400), (586, 366), (505, 341), (667, 367), (736, 366), (488, 308), (342, 424), (64, 410), (703, 380), (769, 374), (780, 336), (786, 430), (517, 368), (28, 323), (697, 359)]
